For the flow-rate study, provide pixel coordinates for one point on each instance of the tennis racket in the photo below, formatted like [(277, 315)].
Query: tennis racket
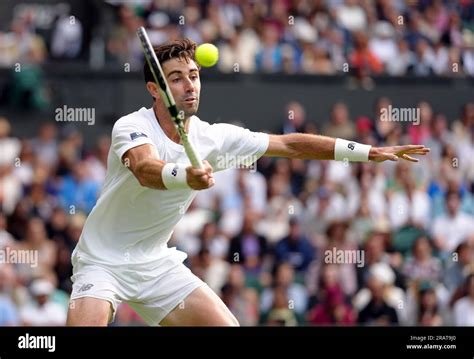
[(167, 97)]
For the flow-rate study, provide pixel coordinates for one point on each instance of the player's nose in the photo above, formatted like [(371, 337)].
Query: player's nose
[(189, 86)]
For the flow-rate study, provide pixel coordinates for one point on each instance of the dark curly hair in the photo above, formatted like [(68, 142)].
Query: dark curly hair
[(183, 49)]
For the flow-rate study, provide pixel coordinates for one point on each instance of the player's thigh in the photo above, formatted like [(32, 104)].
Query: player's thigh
[(88, 311), (201, 308)]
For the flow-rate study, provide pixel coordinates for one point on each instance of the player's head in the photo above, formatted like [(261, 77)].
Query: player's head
[(181, 73)]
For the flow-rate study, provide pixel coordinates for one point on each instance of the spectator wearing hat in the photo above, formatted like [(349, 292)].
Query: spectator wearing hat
[(42, 311), (380, 302), (377, 312)]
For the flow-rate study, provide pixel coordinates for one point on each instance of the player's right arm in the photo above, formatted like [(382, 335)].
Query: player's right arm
[(144, 162)]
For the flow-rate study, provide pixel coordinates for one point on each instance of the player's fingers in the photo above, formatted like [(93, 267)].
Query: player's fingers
[(390, 156), (193, 171), (409, 158), (423, 151), (411, 147), (207, 166)]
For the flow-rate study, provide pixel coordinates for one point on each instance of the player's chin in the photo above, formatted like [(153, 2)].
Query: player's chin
[(190, 108)]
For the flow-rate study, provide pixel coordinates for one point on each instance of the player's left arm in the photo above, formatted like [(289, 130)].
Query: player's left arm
[(316, 147)]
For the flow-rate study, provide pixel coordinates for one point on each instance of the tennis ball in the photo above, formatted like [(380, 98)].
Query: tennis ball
[(207, 55)]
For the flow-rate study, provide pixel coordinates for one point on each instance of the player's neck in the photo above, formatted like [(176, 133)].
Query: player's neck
[(167, 125)]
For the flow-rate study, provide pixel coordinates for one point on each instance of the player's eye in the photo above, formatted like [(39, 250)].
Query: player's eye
[(194, 77), (176, 80)]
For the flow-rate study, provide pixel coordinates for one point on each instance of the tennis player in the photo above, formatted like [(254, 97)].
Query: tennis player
[(122, 254)]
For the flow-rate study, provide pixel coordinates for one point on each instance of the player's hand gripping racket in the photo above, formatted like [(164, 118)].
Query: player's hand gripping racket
[(167, 97)]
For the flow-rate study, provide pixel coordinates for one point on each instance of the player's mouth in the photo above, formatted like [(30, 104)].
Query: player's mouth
[(190, 100)]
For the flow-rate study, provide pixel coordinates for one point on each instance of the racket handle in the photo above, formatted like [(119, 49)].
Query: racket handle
[(193, 156)]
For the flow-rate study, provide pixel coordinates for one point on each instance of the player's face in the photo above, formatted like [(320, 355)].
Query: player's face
[(185, 84)]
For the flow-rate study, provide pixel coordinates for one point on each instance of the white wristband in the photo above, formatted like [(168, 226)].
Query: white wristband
[(173, 176), (351, 151)]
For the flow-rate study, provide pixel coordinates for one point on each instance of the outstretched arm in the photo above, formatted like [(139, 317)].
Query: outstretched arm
[(315, 147)]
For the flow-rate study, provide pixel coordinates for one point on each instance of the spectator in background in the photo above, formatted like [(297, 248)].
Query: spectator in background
[(8, 311), (18, 220), (438, 135), (216, 242), (295, 248), (421, 131), (97, 162), (409, 206), (428, 308), (66, 241), (280, 313), (340, 124), (45, 145), (42, 311), (243, 302), (401, 64), (320, 278), (123, 44), (29, 52), (284, 283), (248, 248), (67, 36), (28, 162), (295, 118), (281, 204), (378, 311), (458, 266), (36, 240), (77, 191), (379, 302), (333, 310), (10, 188), (6, 239), (382, 43), (463, 309), (425, 59), (453, 228), (351, 16), (270, 57), (422, 266), (9, 146), (375, 251), (212, 270), (363, 61)]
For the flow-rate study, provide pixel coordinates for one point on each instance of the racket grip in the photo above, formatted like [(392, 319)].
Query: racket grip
[(193, 156)]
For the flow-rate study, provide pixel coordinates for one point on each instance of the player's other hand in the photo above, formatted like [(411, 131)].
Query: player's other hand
[(200, 178), (393, 153)]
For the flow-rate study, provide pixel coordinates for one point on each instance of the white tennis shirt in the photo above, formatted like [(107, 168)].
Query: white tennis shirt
[(131, 224)]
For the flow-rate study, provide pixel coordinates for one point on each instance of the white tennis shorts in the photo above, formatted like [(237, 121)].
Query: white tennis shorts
[(153, 294)]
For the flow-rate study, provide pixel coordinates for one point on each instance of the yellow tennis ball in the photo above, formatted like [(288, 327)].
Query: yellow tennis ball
[(207, 55)]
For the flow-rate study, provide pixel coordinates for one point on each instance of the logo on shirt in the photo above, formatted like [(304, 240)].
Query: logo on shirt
[(351, 146), (135, 135), (85, 287)]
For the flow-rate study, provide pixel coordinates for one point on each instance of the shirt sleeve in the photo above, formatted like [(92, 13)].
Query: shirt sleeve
[(238, 147), (126, 135)]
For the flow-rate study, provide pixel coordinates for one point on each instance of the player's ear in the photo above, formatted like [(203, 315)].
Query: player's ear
[(152, 89)]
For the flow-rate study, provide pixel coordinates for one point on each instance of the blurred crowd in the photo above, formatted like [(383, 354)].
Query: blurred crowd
[(395, 37), (285, 242)]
